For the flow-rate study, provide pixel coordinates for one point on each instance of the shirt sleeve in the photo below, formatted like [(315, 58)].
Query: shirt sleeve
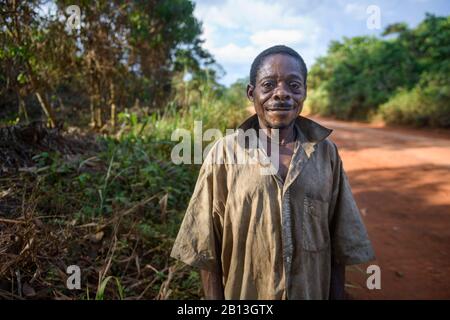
[(198, 242), (350, 241)]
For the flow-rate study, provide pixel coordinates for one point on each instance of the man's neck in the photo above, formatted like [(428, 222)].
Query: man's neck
[(285, 135)]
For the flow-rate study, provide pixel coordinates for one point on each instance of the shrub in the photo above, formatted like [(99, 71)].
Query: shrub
[(427, 104)]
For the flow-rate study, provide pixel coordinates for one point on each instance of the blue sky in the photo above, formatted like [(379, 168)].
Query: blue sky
[(235, 31)]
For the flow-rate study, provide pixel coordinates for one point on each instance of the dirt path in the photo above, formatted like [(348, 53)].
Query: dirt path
[(401, 181)]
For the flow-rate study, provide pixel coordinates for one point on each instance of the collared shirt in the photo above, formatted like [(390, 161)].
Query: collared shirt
[(274, 239)]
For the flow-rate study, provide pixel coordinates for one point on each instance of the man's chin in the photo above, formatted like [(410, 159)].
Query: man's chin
[(280, 123)]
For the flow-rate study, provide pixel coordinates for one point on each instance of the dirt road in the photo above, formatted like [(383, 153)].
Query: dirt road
[(401, 182)]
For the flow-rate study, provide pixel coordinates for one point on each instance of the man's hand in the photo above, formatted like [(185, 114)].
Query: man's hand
[(212, 285)]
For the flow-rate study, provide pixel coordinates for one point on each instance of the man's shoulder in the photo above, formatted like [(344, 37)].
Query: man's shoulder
[(328, 143), (329, 148)]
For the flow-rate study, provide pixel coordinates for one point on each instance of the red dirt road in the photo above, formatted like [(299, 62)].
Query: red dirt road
[(401, 182)]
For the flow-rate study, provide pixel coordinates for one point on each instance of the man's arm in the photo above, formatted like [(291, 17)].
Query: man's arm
[(212, 285), (337, 286)]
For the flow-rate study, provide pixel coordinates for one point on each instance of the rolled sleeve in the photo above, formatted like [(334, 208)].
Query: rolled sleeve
[(198, 241)]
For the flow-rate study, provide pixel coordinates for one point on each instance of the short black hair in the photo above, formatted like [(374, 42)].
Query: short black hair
[(280, 49)]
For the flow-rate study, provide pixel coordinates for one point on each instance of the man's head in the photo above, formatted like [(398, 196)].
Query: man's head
[(277, 86)]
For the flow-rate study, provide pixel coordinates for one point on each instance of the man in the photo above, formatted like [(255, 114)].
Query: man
[(286, 235)]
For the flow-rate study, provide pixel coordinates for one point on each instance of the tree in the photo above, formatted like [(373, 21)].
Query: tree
[(20, 43), (123, 52)]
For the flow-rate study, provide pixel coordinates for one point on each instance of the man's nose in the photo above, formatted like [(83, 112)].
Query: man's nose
[(281, 93)]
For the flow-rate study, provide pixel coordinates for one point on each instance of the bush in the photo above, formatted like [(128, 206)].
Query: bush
[(404, 78), (318, 102), (427, 104)]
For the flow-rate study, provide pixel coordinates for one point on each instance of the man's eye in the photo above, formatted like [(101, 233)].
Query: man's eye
[(267, 85), (295, 85)]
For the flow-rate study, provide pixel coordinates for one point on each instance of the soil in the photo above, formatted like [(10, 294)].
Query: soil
[(401, 181)]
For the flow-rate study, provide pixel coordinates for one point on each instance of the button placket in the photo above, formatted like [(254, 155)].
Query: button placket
[(287, 238)]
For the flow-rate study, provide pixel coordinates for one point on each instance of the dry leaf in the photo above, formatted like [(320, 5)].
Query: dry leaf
[(95, 238)]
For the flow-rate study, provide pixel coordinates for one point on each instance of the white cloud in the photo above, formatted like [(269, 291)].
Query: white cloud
[(356, 10), (235, 31), (269, 37), (251, 16), (234, 54)]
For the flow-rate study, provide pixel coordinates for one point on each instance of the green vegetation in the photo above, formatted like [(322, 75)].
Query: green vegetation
[(114, 213), (99, 190), (123, 55), (404, 78)]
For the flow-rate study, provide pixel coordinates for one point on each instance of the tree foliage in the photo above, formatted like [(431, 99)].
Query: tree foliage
[(121, 51), (360, 74)]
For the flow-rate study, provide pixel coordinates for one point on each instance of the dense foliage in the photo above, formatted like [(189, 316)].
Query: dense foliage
[(123, 54), (404, 78), (110, 203)]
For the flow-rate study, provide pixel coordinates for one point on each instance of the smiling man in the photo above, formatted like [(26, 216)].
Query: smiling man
[(285, 235)]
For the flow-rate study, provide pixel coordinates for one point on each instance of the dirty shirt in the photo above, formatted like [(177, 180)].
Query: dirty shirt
[(269, 238)]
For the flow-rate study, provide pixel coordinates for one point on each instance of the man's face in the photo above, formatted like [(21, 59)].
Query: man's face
[(279, 91)]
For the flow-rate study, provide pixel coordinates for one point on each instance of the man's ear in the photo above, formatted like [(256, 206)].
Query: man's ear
[(250, 91)]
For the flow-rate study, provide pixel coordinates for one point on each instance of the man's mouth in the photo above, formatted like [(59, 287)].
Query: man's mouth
[(280, 107)]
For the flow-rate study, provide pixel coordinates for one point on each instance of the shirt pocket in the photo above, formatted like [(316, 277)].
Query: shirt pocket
[(315, 230)]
